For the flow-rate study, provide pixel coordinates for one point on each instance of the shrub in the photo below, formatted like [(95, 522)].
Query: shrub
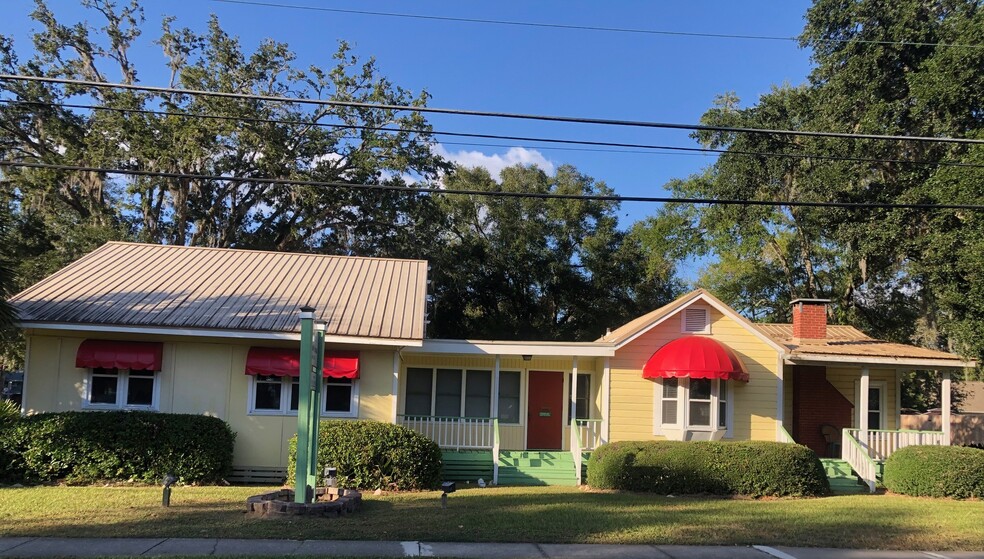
[(936, 471), (119, 445), (374, 455), (754, 468)]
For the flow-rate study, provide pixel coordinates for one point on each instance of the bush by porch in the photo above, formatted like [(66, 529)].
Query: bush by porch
[(936, 471), (752, 468), (374, 455)]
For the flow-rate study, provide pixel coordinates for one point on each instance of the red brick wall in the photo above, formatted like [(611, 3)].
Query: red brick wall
[(810, 320), (816, 403)]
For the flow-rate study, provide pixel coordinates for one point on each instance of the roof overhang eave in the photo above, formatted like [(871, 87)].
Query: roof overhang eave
[(898, 362), (497, 347), (215, 333)]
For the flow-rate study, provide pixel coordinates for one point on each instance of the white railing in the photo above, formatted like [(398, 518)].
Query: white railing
[(589, 432), (784, 436), (576, 449), (495, 451), (854, 454), (881, 443), (454, 433)]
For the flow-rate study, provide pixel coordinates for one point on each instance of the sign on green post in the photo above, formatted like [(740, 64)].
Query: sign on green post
[(306, 411)]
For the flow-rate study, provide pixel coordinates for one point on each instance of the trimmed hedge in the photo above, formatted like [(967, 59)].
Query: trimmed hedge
[(753, 468), (83, 447), (374, 455), (936, 471)]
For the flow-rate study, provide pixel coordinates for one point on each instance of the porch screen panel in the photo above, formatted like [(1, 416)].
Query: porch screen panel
[(509, 384), (418, 392), (447, 402), (478, 394)]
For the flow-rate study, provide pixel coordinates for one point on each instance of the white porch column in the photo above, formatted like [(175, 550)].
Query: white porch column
[(573, 402), (495, 387), (606, 380), (863, 407), (396, 384), (945, 397)]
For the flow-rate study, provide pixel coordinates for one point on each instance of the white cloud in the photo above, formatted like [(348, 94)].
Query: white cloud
[(495, 163)]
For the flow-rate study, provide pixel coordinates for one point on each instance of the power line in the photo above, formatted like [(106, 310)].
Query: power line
[(515, 23), (464, 112), (648, 147), (496, 194)]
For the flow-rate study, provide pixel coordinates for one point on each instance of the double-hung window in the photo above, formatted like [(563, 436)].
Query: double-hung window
[(279, 395), (582, 401), (691, 405), (122, 389)]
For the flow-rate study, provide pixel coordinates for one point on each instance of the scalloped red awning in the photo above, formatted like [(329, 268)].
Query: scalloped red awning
[(109, 354), (283, 362), (695, 357)]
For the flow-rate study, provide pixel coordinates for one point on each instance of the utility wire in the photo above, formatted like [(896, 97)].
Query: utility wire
[(464, 112), (495, 194), (683, 149), (636, 31)]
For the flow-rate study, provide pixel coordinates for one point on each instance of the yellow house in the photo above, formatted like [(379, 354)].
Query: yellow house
[(216, 331)]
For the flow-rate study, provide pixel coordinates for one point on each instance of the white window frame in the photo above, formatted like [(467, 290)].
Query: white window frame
[(122, 388), (284, 409), (682, 426), (707, 320), (353, 400), (882, 387)]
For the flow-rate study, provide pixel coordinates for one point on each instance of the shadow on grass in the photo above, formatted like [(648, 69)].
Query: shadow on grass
[(553, 515)]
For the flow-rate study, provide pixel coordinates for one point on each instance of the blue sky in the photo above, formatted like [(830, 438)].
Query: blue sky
[(525, 69)]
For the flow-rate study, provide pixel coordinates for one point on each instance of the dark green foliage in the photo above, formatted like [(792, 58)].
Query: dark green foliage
[(375, 455), (936, 471), (754, 468), (94, 446)]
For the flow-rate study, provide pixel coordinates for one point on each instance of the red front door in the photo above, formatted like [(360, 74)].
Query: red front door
[(545, 411)]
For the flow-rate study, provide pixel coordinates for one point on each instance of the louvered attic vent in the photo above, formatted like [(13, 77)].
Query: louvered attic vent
[(695, 320)]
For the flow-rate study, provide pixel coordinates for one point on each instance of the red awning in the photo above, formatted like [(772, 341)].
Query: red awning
[(695, 357), (284, 362), (109, 354)]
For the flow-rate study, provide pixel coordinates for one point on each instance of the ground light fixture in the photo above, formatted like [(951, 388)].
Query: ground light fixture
[(447, 487), (168, 481)]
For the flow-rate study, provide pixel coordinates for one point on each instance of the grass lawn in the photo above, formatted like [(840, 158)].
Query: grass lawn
[(507, 514)]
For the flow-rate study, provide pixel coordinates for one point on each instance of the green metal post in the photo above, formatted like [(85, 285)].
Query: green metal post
[(302, 467), (319, 365)]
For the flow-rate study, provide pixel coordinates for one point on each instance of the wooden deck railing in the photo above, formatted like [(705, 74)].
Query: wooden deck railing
[(589, 431), (881, 443), (454, 433)]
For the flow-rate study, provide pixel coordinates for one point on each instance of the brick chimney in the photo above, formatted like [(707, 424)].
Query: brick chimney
[(810, 318)]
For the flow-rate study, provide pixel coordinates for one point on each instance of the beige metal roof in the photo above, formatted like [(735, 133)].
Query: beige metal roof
[(132, 284), (847, 341)]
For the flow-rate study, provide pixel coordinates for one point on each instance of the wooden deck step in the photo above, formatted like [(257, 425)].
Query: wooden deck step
[(536, 468)]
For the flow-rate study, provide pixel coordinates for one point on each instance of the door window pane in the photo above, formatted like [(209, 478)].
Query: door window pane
[(478, 394), (509, 396), (447, 402), (418, 392)]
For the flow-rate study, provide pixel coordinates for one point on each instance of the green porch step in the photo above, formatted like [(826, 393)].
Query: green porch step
[(843, 480), (536, 468), (466, 465)]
